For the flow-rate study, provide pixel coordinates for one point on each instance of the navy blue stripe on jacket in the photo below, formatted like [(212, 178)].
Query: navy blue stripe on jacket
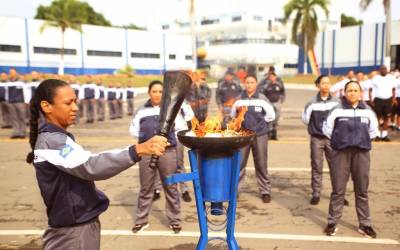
[(145, 123), (65, 173), (259, 112), (347, 126), (315, 113)]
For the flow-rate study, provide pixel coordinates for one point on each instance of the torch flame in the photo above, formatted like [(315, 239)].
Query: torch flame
[(213, 125)]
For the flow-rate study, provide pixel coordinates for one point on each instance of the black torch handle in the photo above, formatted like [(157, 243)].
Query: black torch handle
[(154, 158), (154, 161)]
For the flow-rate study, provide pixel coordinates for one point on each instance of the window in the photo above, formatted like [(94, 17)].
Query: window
[(53, 51), (10, 48), (236, 19), (290, 65), (104, 53), (172, 56), (257, 18), (187, 57), (145, 55), (209, 21)]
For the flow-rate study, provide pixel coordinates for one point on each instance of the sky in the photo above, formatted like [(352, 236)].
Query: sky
[(153, 12)]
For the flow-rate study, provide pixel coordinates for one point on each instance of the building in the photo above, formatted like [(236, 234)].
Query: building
[(96, 50), (360, 48)]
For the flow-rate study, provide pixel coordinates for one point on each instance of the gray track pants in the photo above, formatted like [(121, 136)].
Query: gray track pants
[(319, 146), (18, 116), (5, 113), (129, 102), (183, 187), (81, 237), (89, 109), (166, 166), (357, 163), (100, 109), (259, 148)]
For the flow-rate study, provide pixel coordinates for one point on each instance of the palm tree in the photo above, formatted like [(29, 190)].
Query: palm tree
[(63, 14), (305, 24), (386, 5)]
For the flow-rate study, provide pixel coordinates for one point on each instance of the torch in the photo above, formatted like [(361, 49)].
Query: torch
[(176, 85)]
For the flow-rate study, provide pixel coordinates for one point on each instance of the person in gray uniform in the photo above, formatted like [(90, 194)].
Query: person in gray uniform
[(4, 105), (314, 115), (274, 90), (227, 92), (143, 126), (111, 97), (100, 102), (199, 97), (89, 101), (259, 112), (182, 122), (119, 101), (65, 172), (130, 95), (18, 96), (351, 126)]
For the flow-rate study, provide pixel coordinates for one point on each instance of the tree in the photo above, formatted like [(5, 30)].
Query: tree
[(387, 7), (62, 14), (346, 21), (88, 14), (305, 23)]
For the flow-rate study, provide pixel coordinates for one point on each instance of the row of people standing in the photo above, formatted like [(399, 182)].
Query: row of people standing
[(93, 100)]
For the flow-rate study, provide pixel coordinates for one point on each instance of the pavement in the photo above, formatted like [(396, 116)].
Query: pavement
[(288, 222)]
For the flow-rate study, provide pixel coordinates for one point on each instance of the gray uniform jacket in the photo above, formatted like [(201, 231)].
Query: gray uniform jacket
[(65, 173)]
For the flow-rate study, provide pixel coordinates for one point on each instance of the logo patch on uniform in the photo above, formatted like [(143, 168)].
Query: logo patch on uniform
[(364, 120), (257, 109), (66, 150)]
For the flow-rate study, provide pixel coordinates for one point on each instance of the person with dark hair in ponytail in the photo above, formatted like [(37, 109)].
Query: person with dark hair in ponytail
[(66, 172)]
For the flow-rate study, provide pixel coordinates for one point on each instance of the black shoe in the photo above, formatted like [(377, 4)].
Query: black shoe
[(139, 227), (346, 203), (367, 231), (156, 195), (377, 139), (176, 228), (331, 229), (386, 139), (17, 137), (393, 127), (6, 126), (186, 197), (266, 198), (314, 200)]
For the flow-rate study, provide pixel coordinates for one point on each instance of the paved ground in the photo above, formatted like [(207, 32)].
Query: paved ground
[(288, 222)]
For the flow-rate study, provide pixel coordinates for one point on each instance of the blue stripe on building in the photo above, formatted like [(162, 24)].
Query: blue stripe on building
[(82, 54), (165, 56), (383, 43), (28, 60), (333, 47), (126, 46), (376, 44), (359, 45), (323, 50)]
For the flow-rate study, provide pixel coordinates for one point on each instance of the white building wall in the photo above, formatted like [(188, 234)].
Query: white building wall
[(12, 32), (51, 38), (346, 51)]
